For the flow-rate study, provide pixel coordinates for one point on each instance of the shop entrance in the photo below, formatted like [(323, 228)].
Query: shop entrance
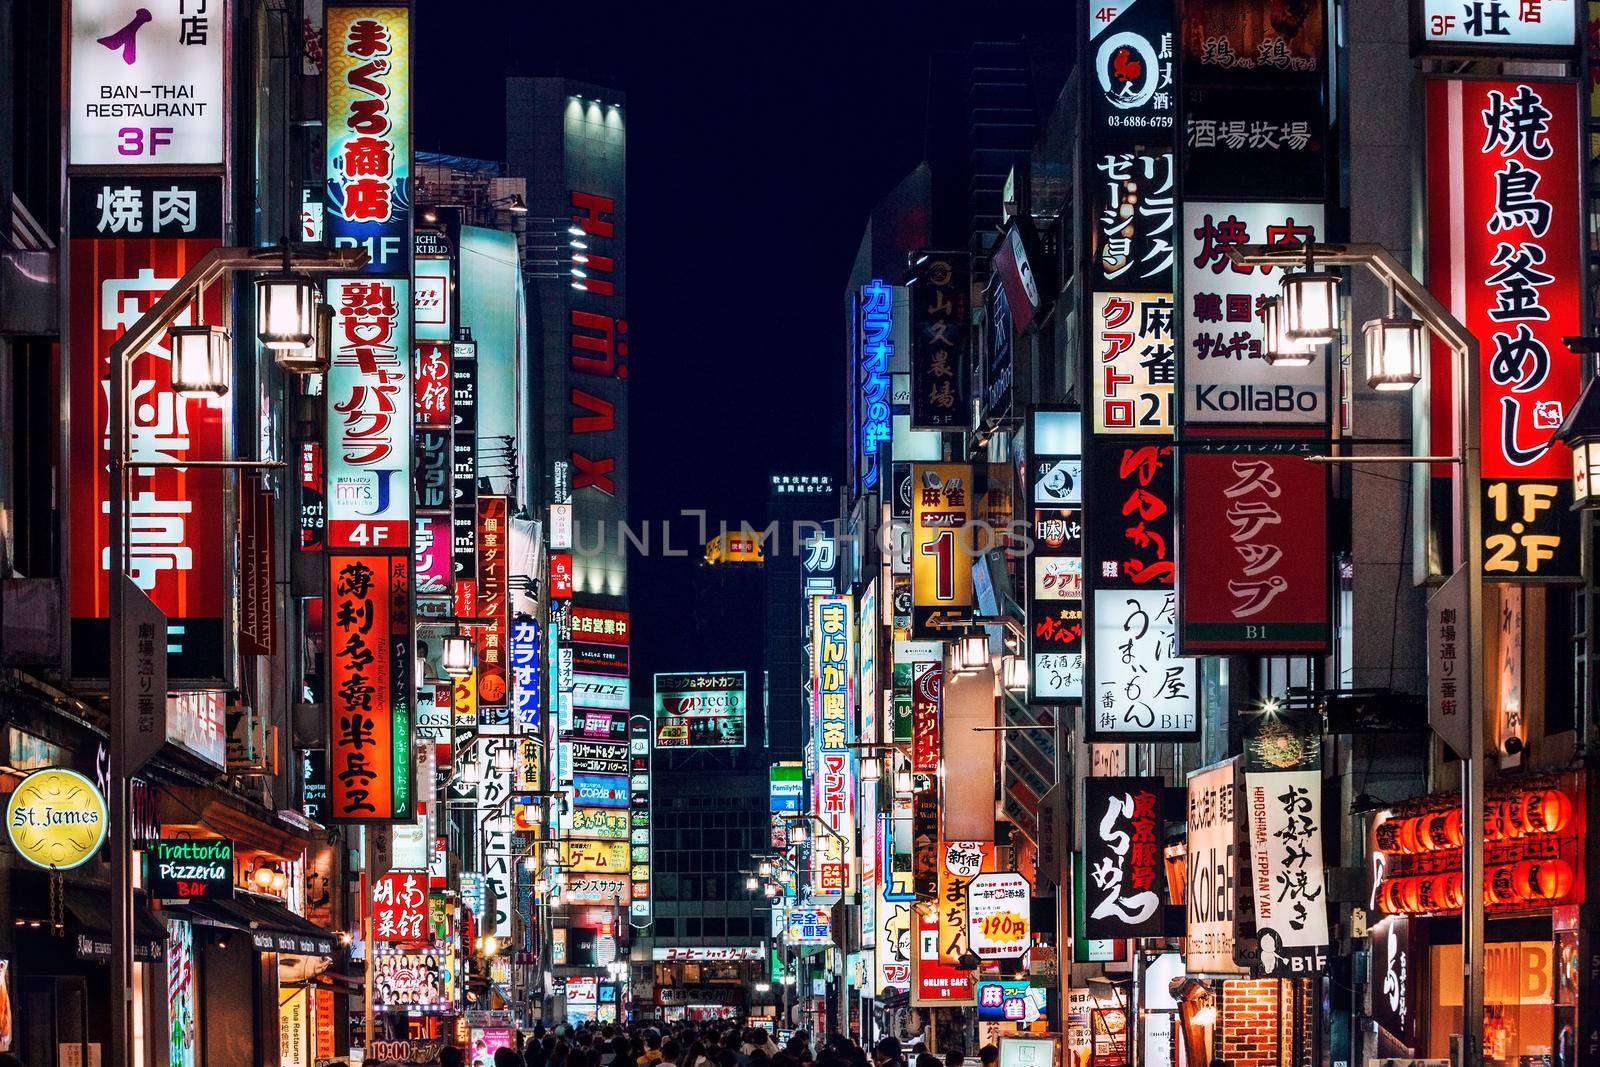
[(55, 1021)]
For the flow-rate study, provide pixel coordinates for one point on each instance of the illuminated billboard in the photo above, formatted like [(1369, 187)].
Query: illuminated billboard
[(700, 710)]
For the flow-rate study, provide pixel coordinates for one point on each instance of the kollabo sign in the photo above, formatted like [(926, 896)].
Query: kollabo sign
[(147, 79), (56, 819), (190, 869)]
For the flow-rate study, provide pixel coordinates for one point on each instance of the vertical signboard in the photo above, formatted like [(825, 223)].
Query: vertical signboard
[(874, 353), (464, 460), (131, 240), (640, 859), (941, 543), (1055, 582), (369, 183), (1283, 801), (1504, 230), (369, 683), (1254, 551), (369, 415), (1134, 370), (959, 863), (940, 399), (1122, 843), (1131, 90), (833, 721), (1212, 893), (147, 83), (494, 602), (1134, 216)]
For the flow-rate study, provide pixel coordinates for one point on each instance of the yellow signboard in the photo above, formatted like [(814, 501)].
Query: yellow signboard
[(942, 544), (57, 819), (595, 857)]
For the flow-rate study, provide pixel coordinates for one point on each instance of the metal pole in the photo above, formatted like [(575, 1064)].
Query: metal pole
[(1464, 346), (212, 267)]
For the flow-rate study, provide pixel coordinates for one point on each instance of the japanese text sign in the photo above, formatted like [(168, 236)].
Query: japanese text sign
[(833, 729), (939, 314), (1122, 842), (369, 653), (400, 907), (941, 542), (369, 190)]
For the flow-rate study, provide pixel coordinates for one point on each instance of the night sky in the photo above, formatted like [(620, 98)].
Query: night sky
[(760, 135)]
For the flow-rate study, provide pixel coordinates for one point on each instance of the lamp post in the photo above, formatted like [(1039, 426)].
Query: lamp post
[(1311, 315), (200, 373)]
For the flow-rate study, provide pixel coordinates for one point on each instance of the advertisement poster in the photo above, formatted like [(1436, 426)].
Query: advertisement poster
[(1283, 799), (998, 907), (183, 1028), (700, 710), (370, 667)]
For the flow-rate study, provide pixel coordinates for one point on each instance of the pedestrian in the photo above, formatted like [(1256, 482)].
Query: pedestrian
[(988, 1056), (670, 1051), (506, 1056), (450, 1056), (886, 1053), (955, 1057), (652, 1049), (928, 1059)]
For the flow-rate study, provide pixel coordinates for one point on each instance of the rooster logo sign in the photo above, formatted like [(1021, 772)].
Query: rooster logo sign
[(1129, 70)]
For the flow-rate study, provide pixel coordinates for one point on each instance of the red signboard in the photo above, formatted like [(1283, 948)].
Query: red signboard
[(177, 516), (433, 385), (369, 669), (494, 601), (400, 907), (597, 346), (926, 682), (933, 982), (1255, 553), (560, 575), (1505, 222), (599, 625)]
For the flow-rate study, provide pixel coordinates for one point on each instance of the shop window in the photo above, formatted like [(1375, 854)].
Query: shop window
[(665, 928), (691, 927), (1521, 1001), (738, 927), (713, 927)]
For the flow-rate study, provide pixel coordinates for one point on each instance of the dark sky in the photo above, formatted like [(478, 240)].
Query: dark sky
[(759, 137)]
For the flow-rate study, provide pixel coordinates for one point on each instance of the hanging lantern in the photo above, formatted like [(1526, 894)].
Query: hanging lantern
[(1407, 839), (1310, 306), (1276, 347), (1016, 674), (1580, 431), (972, 652), (1452, 828), (315, 357), (1500, 886), (1394, 349), (1512, 820), (1546, 811), (200, 357), (1387, 835), (1451, 892), (457, 655), (286, 309), (1543, 880)]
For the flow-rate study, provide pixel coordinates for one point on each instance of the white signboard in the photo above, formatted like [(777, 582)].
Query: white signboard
[(1503, 25), (997, 915), (1226, 380), (146, 82), (1291, 901), (1212, 893), (1142, 687), (1450, 663)]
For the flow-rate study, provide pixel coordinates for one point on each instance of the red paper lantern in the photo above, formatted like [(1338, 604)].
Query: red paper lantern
[(1387, 835), (1451, 892), (1546, 811), (1452, 828), (1543, 880), (1500, 886), (1407, 838), (1515, 807)]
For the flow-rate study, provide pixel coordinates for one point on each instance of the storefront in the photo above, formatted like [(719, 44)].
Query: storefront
[(1534, 874)]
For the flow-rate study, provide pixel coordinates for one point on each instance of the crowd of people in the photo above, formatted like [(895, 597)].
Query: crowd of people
[(711, 1044)]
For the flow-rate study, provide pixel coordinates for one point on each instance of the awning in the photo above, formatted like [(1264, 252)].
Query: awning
[(91, 925), (272, 927)]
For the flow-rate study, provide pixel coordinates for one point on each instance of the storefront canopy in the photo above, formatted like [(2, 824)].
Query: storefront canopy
[(272, 927), (90, 916)]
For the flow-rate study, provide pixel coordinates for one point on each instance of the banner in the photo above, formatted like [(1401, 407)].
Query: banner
[(1122, 844), (832, 723), (1504, 231), (939, 316), (1055, 583), (1134, 369), (1283, 799), (368, 386), (494, 602), (1134, 216), (998, 907), (926, 688), (369, 685), (369, 184), (1212, 865), (131, 240), (1254, 546), (941, 543)]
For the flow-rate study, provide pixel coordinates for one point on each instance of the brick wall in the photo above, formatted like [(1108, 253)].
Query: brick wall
[(1250, 1032)]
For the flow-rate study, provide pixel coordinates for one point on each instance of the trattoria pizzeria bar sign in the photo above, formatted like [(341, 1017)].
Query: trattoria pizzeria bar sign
[(189, 869)]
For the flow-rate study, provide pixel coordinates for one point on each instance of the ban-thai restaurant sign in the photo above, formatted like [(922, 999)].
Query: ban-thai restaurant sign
[(1505, 224), (369, 678)]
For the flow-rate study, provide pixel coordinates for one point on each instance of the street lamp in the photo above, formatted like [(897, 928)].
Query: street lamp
[(315, 357), (457, 655), (286, 308), (1310, 306), (200, 358), (972, 653), (797, 834), (1276, 347), (752, 883), (1394, 353)]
